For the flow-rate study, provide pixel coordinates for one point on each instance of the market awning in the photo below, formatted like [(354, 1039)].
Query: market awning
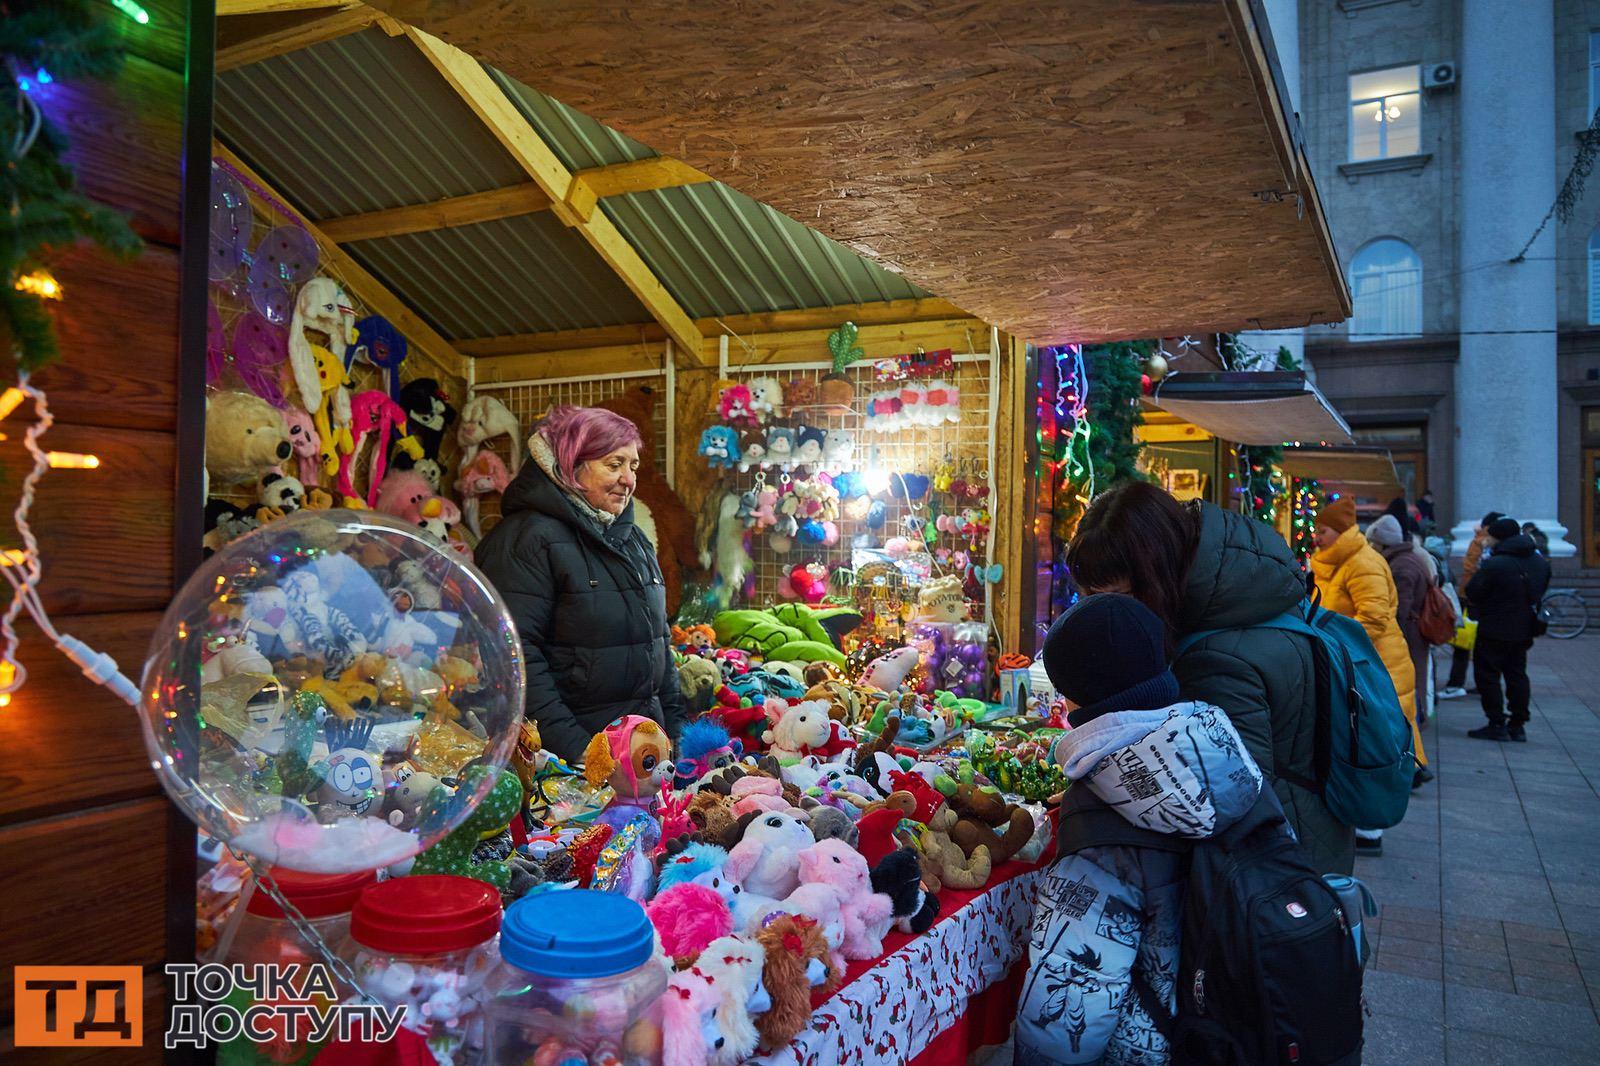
[(1270, 407), (1068, 171), (1364, 473)]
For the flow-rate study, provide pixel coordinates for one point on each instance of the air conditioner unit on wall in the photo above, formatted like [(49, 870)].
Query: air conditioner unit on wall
[(1440, 75)]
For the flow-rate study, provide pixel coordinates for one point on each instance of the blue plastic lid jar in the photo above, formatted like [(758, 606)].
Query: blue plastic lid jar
[(580, 981), (576, 934)]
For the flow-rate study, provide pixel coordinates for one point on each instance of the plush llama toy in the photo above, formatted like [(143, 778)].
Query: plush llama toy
[(796, 728)]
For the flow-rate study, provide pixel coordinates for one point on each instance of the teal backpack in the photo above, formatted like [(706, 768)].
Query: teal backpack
[(1364, 756)]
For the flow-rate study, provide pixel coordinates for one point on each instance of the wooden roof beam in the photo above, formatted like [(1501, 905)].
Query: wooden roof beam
[(274, 7), (364, 287), (887, 312), (617, 179), (572, 199), (293, 38)]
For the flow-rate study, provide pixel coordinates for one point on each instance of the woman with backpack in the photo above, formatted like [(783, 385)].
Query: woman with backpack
[(1202, 569), (1354, 580), (1413, 575)]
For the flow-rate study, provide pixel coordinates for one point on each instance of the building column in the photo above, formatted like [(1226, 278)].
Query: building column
[(1506, 377), (1283, 20)]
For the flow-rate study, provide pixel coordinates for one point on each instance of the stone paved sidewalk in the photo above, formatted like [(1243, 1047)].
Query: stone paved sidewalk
[(1488, 941)]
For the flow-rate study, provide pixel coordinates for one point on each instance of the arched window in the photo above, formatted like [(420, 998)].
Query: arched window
[(1386, 285), (1594, 276)]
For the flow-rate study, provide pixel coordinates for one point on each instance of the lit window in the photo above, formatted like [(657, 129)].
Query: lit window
[(1594, 72), (1594, 276), (1386, 285), (1385, 113)]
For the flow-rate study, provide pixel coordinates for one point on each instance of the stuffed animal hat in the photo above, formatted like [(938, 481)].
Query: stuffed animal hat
[(321, 305)]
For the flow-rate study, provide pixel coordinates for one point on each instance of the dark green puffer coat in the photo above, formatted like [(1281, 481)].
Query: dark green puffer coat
[(1244, 574), (591, 610)]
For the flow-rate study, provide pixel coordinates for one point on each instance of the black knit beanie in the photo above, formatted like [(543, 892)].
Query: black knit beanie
[(1504, 528), (1109, 653)]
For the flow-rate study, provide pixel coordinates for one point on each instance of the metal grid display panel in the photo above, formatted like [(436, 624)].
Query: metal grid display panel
[(913, 450), (530, 401)]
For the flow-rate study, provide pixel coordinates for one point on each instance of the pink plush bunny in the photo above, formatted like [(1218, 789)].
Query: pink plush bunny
[(866, 914), (372, 414), (485, 474), (307, 445)]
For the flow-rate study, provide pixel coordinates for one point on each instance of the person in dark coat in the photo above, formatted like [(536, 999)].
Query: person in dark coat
[(1200, 568), (1503, 595), (582, 583)]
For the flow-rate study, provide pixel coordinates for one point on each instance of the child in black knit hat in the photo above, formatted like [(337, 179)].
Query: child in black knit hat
[(1108, 915)]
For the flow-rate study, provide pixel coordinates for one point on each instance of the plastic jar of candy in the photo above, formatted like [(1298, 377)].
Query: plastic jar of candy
[(266, 937), (428, 942), (579, 985)]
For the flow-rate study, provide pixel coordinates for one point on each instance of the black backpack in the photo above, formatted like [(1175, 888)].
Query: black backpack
[(1268, 971)]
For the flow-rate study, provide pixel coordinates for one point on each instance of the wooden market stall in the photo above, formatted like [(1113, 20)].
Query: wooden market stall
[(972, 182)]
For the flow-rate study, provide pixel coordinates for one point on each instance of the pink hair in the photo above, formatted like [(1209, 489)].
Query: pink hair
[(579, 434)]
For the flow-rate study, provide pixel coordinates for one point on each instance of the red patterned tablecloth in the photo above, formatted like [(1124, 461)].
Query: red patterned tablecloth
[(915, 996)]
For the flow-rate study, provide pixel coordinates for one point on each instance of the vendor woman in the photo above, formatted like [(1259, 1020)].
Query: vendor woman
[(582, 582)]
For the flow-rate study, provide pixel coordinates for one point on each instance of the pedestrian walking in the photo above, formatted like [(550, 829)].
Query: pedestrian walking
[(1412, 572), (1456, 686), (1425, 510), (1104, 952), (1541, 540), (1200, 568), (1504, 594)]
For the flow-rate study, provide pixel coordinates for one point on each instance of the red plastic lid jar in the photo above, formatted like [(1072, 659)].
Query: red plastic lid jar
[(428, 914), (314, 895)]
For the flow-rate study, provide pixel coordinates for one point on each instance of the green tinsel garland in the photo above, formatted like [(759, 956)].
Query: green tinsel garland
[(70, 40)]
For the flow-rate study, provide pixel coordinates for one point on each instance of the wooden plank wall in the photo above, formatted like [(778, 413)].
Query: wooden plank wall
[(88, 842)]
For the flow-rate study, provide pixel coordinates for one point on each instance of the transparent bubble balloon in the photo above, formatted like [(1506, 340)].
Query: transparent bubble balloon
[(317, 689)]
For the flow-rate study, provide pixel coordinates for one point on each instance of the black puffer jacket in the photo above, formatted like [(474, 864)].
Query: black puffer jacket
[(1505, 587), (590, 608), (1244, 574)]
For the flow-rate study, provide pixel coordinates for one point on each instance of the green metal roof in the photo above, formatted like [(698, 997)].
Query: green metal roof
[(364, 123)]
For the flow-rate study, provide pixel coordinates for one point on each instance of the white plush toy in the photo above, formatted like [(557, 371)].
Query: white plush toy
[(796, 728), (322, 306), (766, 398), (838, 449), (483, 419), (889, 671), (764, 861)]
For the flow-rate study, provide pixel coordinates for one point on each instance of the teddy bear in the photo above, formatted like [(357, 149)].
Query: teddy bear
[(797, 960), (733, 965), (713, 819), (796, 729), (720, 446), (866, 914), (947, 862), (764, 859), (245, 437)]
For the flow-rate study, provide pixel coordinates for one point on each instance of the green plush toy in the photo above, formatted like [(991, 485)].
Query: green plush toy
[(826, 625), (763, 633), (453, 854)]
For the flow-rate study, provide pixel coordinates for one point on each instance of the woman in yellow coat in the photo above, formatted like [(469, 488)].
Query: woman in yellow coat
[(1355, 581)]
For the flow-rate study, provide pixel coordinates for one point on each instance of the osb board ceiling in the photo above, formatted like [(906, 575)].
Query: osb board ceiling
[(1069, 171)]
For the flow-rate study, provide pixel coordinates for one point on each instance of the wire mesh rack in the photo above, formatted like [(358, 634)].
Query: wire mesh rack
[(966, 444), (529, 400)]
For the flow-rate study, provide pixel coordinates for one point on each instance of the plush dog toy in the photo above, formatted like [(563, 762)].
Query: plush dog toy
[(866, 914), (634, 757), (899, 877), (797, 959), (688, 1020), (733, 965), (764, 859)]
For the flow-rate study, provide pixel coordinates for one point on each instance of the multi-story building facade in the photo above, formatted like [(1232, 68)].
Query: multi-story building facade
[(1440, 132)]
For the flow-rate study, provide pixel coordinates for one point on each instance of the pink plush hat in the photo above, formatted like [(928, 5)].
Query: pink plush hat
[(688, 917)]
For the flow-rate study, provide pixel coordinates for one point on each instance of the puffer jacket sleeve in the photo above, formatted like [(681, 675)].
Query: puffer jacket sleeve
[(529, 588), (1087, 929), (1367, 583), (673, 710), (1209, 673)]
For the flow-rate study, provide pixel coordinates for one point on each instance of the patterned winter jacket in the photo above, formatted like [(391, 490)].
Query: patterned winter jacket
[(1107, 914)]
